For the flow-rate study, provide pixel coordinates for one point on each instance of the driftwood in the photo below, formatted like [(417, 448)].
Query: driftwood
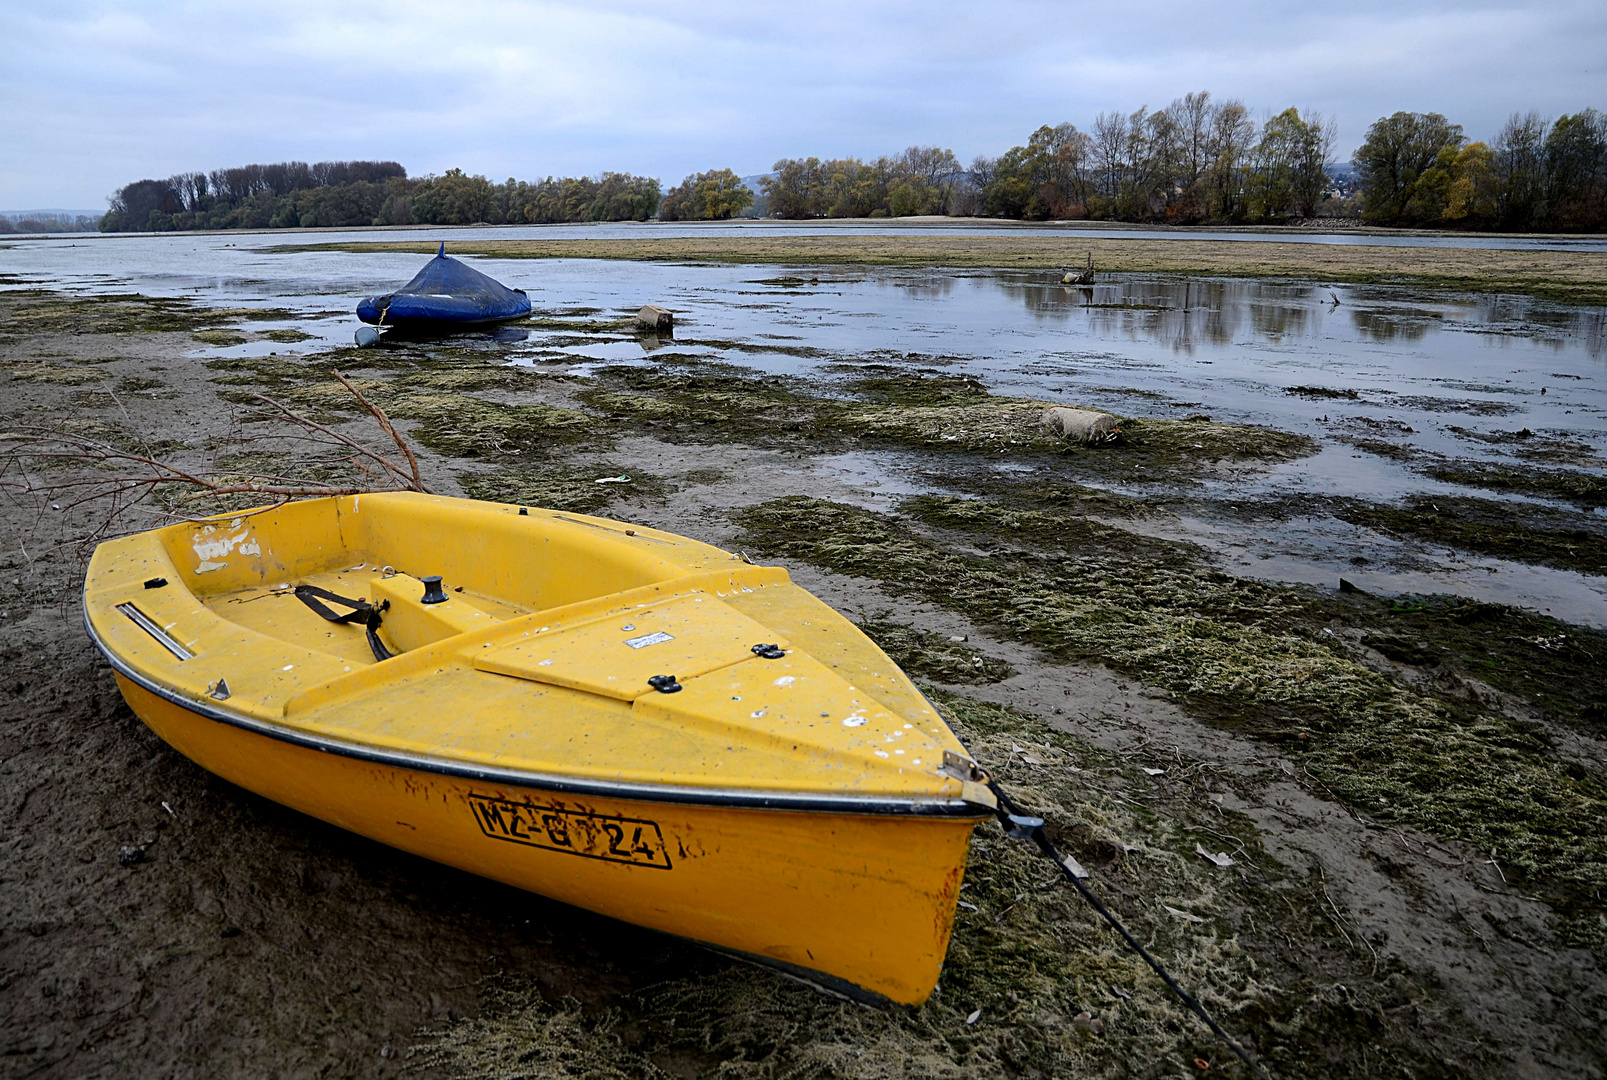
[(1081, 425), (66, 469), (1084, 276)]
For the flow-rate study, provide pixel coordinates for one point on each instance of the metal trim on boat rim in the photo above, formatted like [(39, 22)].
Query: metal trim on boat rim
[(715, 797)]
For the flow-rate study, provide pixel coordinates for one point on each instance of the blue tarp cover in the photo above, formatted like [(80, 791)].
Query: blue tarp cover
[(446, 291)]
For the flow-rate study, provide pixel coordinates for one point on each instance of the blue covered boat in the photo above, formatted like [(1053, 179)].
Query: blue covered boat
[(445, 294)]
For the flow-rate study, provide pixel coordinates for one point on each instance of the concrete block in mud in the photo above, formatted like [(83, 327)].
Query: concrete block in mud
[(653, 319), (1081, 425)]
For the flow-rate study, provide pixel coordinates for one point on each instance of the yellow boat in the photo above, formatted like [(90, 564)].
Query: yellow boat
[(618, 718)]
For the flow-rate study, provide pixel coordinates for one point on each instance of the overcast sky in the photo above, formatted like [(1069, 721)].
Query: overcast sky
[(96, 94)]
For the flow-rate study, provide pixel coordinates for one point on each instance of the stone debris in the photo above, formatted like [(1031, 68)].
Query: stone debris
[(653, 319), (1081, 425)]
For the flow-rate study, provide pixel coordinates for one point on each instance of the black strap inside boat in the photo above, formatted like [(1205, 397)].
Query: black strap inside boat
[(361, 611)]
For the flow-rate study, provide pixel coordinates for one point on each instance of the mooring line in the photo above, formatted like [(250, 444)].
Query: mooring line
[(1020, 825)]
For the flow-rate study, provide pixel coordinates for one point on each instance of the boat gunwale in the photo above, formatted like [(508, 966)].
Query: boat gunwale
[(731, 798)]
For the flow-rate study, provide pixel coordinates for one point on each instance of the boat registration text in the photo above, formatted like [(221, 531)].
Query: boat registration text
[(594, 836)]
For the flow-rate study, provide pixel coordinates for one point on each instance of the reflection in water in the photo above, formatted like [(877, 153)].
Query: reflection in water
[(1186, 315), (1521, 317), (469, 336), (1387, 326), (934, 287), (1280, 320)]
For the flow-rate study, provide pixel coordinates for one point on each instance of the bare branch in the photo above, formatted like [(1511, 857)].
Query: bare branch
[(385, 425), (84, 470)]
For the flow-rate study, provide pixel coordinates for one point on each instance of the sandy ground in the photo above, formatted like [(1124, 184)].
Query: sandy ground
[(156, 921)]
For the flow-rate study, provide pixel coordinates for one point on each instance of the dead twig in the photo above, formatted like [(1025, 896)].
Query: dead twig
[(360, 453), (1339, 920), (64, 469), (385, 425)]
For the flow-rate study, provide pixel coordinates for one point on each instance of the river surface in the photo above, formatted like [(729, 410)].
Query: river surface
[(1455, 375), (939, 226)]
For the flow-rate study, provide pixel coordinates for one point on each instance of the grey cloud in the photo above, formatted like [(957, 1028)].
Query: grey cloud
[(97, 94)]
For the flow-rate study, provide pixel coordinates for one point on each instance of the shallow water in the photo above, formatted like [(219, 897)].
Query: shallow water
[(1443, 373)]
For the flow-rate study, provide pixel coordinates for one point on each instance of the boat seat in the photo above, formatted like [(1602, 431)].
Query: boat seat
[(615, 656)]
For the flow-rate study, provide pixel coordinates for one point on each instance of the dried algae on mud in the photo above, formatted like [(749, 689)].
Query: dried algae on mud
[(713, 402), (1244, 654)]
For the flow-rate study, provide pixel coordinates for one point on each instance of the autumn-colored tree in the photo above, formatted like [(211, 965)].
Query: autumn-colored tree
[(1047, 178), (708, 196), (1289, 166), (1576, 171), (1458, 190), (1398, 149), (920, 180)]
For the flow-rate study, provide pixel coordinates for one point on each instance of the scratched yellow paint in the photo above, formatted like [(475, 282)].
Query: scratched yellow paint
[(535, 670)]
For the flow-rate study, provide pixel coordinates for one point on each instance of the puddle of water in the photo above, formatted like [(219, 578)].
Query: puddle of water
[(607, 350), (324, 334), (1320, 551), (874, 479)]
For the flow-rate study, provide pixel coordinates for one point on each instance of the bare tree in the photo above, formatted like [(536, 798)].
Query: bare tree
[(1520, 169), (1193, 114), (1110, 152)]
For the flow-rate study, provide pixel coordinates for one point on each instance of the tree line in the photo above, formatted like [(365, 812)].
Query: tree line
[(1419, 169), (357, 194), (1195, 161), (1202, 161), (1199, 160), (45, 222)]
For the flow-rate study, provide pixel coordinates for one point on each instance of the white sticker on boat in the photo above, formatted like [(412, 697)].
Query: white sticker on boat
[(645, 640), (855, 721), (209, 550)]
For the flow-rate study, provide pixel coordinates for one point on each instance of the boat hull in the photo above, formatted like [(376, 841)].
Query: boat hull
[(861, 904), (448, 313)]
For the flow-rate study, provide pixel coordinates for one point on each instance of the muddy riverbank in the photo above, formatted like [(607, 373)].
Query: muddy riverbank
[(1411, 786)]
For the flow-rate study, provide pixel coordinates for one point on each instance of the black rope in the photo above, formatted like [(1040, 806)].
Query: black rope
[(311, 595), (1021, 825), (371, 628), (361, 610)]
